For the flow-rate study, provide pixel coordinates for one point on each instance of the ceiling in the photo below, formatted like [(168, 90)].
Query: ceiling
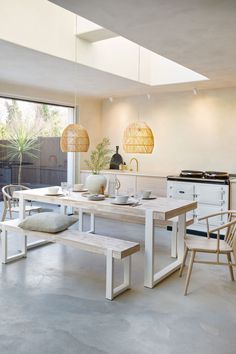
[(199, 34), (20, 65)]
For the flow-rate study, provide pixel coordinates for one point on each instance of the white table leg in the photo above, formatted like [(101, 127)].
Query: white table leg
[(21, 207), (174, 235), (150, 277), (63, 209), (23, 240), (181, 236), (92, 223), (80, 219), (149, 249)]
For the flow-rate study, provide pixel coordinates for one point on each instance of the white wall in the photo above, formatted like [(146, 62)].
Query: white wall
[(90, 118), (191, 132)]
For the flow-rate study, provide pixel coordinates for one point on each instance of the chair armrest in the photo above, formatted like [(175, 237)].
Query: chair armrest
[(223, 226), (217, 214)]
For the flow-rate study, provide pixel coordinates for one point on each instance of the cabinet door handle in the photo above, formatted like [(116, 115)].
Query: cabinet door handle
[(182, 192)]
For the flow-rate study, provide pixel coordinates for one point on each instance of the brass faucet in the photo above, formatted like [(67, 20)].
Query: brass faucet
[(133, 159)]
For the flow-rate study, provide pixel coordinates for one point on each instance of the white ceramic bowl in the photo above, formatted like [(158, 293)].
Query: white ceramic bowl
[(121, 199), (78, 187), (53, 190), (146, 194)]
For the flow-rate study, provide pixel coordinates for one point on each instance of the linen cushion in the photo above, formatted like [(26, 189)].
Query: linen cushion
[(48, 222)]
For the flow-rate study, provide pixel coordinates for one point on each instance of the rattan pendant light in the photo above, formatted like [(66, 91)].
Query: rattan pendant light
[(75, 137), (138, 137)]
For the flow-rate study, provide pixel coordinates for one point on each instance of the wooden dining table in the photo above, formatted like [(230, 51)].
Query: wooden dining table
[(151, 210)]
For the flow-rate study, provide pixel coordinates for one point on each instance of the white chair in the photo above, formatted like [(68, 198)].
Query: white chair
[(216, 245), (11, 204)]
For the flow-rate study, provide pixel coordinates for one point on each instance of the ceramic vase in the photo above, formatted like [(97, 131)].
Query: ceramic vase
[(96, 183)]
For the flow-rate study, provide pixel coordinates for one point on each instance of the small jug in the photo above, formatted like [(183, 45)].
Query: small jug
[(113, 186)]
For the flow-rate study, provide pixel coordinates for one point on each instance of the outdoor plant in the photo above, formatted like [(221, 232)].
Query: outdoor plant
[(22, 141), (100, 157)]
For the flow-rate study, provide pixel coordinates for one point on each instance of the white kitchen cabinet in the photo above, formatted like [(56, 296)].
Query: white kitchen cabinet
[(156, 184), (211, 198), (182, 190), (134, 181), (127, 183)]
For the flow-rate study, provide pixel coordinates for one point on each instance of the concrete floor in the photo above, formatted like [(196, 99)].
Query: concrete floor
[(54, 302)]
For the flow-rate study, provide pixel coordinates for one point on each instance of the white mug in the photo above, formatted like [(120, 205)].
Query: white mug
[(53, 190), (146, 194), (121, 199)]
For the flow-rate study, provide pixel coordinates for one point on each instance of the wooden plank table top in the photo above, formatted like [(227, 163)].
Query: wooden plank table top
[(163, 208)]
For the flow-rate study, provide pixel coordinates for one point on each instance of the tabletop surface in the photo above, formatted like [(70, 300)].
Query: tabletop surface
[(163, 208)]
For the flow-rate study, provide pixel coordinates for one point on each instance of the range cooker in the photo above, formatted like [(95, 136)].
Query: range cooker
[(209, 189), (202, 177)]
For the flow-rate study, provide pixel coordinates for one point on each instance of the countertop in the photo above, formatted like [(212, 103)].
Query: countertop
[(130, 173), (146, 174)]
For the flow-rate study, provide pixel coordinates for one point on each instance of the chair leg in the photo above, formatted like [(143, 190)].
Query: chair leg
[(230, 266), (183, 263), (189, 271)]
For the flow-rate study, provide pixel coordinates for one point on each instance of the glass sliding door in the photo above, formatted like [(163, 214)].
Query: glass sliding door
[(30, 151)]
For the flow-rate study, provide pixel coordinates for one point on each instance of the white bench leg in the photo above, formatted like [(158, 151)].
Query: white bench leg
[(4, 245), (110, 291), (174, 234), (5, 259), (109, 274), (127, 272)]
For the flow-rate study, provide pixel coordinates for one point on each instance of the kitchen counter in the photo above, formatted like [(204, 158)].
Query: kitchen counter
[(130, 173), (136, 181)]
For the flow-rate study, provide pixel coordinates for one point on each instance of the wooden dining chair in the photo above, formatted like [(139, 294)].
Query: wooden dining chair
[(213, 244), (11, 204)]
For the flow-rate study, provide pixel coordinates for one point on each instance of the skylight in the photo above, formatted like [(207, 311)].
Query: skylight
[(106, 51)]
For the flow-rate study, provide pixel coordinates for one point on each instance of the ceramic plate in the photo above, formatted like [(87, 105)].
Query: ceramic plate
[(86, 194), (96, 198), (150, 198), (81, 191), (129, 202)]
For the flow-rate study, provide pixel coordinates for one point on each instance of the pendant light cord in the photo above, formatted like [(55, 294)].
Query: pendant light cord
[(75, 69), (139, 74)]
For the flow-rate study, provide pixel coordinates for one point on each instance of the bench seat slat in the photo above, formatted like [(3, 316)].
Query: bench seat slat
[(97, 243)]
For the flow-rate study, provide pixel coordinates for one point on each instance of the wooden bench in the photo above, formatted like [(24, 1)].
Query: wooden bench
[(112, 248)]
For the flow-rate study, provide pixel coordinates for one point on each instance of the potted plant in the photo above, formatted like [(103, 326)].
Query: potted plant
[(99, 160)]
